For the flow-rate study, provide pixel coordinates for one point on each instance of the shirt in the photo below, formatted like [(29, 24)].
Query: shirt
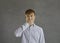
[(30, 34)]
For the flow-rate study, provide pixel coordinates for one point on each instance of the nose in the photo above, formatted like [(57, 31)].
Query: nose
[(30, 18)]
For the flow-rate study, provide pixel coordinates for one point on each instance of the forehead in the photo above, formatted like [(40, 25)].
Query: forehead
[(31, 14)]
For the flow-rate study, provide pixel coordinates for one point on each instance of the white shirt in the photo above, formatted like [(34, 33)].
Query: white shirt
[(30, 34)]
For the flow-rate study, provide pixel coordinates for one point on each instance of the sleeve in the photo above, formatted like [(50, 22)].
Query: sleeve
[(41, 38), (18, 32)]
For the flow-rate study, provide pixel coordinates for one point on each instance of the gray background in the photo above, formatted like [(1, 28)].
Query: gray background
[(12, 16)]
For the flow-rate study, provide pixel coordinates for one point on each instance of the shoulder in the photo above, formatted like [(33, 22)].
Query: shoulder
[(39, 28)]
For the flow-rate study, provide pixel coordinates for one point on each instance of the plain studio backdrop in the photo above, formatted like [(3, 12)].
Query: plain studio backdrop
[(12, 16)]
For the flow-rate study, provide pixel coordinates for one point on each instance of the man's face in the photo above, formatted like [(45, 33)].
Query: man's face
[(30, 18)]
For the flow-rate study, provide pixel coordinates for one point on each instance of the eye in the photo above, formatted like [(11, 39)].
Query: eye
[(27, 16)]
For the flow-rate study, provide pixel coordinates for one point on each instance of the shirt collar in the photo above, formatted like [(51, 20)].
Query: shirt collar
[(32, 25)]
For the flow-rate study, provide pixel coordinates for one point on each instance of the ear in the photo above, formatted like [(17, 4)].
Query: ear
[(25, 15)]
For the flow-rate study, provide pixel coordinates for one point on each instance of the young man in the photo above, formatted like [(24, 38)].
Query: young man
[(30, 32)]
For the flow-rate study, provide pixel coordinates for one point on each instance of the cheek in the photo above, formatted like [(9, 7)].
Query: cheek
[(27, 19), (32, 19)]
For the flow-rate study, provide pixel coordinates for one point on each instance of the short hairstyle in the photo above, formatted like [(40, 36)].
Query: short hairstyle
[(29, 11)]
